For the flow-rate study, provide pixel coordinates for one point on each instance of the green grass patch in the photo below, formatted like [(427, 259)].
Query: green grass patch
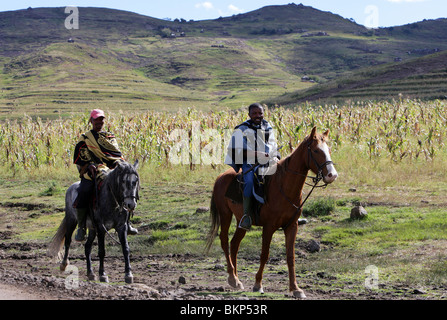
[(385, 228), (320, 207)]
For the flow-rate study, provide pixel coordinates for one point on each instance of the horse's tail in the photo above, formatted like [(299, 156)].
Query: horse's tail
[(215, 224), (57, 243)]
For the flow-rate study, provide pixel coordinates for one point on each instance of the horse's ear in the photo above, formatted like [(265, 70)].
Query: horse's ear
[(326, 134), (313, 134), (135, 165)]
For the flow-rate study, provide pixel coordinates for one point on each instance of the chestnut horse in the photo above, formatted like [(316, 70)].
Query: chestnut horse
[(281, 210)]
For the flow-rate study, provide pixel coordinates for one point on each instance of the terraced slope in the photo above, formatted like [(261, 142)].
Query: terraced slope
[(422, 78)]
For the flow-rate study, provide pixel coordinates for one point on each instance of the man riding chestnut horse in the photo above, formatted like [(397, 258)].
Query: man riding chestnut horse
[(283, 192)]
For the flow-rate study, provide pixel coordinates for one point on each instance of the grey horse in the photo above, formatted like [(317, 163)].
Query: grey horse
[(115, 201)]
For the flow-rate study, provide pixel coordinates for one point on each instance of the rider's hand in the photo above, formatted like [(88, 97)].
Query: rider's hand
[(92, 170), (263, 157)]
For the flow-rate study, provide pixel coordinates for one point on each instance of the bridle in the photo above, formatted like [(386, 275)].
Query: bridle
[(320, 167), (315, 180), (123, 207), (133, 196), (134, 192)]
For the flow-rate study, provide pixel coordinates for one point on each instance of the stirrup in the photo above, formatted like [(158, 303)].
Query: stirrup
[(80, 234), (245, 222)]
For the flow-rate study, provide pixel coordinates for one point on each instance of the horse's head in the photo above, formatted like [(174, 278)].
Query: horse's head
[(319, 156), (130, 183)]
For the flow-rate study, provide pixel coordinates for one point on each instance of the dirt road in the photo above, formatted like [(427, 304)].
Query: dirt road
[(27, 273), (9, 292)]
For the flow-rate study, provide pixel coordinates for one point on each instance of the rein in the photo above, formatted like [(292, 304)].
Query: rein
[(315, 180), (119, 206), (123, 208)]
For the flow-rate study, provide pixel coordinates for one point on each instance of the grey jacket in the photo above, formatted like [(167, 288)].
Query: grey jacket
[(249, 136)]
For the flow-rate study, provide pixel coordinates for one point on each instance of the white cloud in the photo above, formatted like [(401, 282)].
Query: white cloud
[(206, 5), (233, 8), (400, 1)]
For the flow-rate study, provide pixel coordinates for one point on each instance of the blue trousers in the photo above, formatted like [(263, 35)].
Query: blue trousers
[(248, 180)]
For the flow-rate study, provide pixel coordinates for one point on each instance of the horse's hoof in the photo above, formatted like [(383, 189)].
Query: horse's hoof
[(128, 278), (91, 277), (64, 265), (104, 278), (299, 294), (258, 289), (235, 283), (239, 286)]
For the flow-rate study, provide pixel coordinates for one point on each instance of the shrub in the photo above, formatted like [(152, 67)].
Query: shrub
[(319, 207)]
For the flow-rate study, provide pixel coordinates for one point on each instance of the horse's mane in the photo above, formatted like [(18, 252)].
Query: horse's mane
[(283, 165), (112, 177), (122, 167)]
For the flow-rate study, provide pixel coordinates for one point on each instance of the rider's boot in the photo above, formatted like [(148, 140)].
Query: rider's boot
[(246, 220), (82, 217)]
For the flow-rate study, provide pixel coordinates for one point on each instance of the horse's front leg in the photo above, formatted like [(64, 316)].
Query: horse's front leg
[(267, 234), (102, 253), (88, 254), (290, 235), (122, 234)]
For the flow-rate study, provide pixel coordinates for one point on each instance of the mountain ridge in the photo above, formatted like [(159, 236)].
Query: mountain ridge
[(123, 59)]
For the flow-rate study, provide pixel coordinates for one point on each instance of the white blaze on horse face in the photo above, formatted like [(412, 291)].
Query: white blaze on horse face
[(331, 172), (130, 192)]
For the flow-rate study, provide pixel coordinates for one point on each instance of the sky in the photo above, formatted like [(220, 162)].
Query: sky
[(370, 13)]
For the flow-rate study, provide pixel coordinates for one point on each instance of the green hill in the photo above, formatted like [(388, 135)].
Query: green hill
[(421, 78), (121, 60)]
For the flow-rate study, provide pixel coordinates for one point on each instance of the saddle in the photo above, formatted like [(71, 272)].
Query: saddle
[(235, 191), (93, 197)]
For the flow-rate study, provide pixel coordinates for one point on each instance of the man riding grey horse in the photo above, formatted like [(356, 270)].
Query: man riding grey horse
[(95, 154)]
